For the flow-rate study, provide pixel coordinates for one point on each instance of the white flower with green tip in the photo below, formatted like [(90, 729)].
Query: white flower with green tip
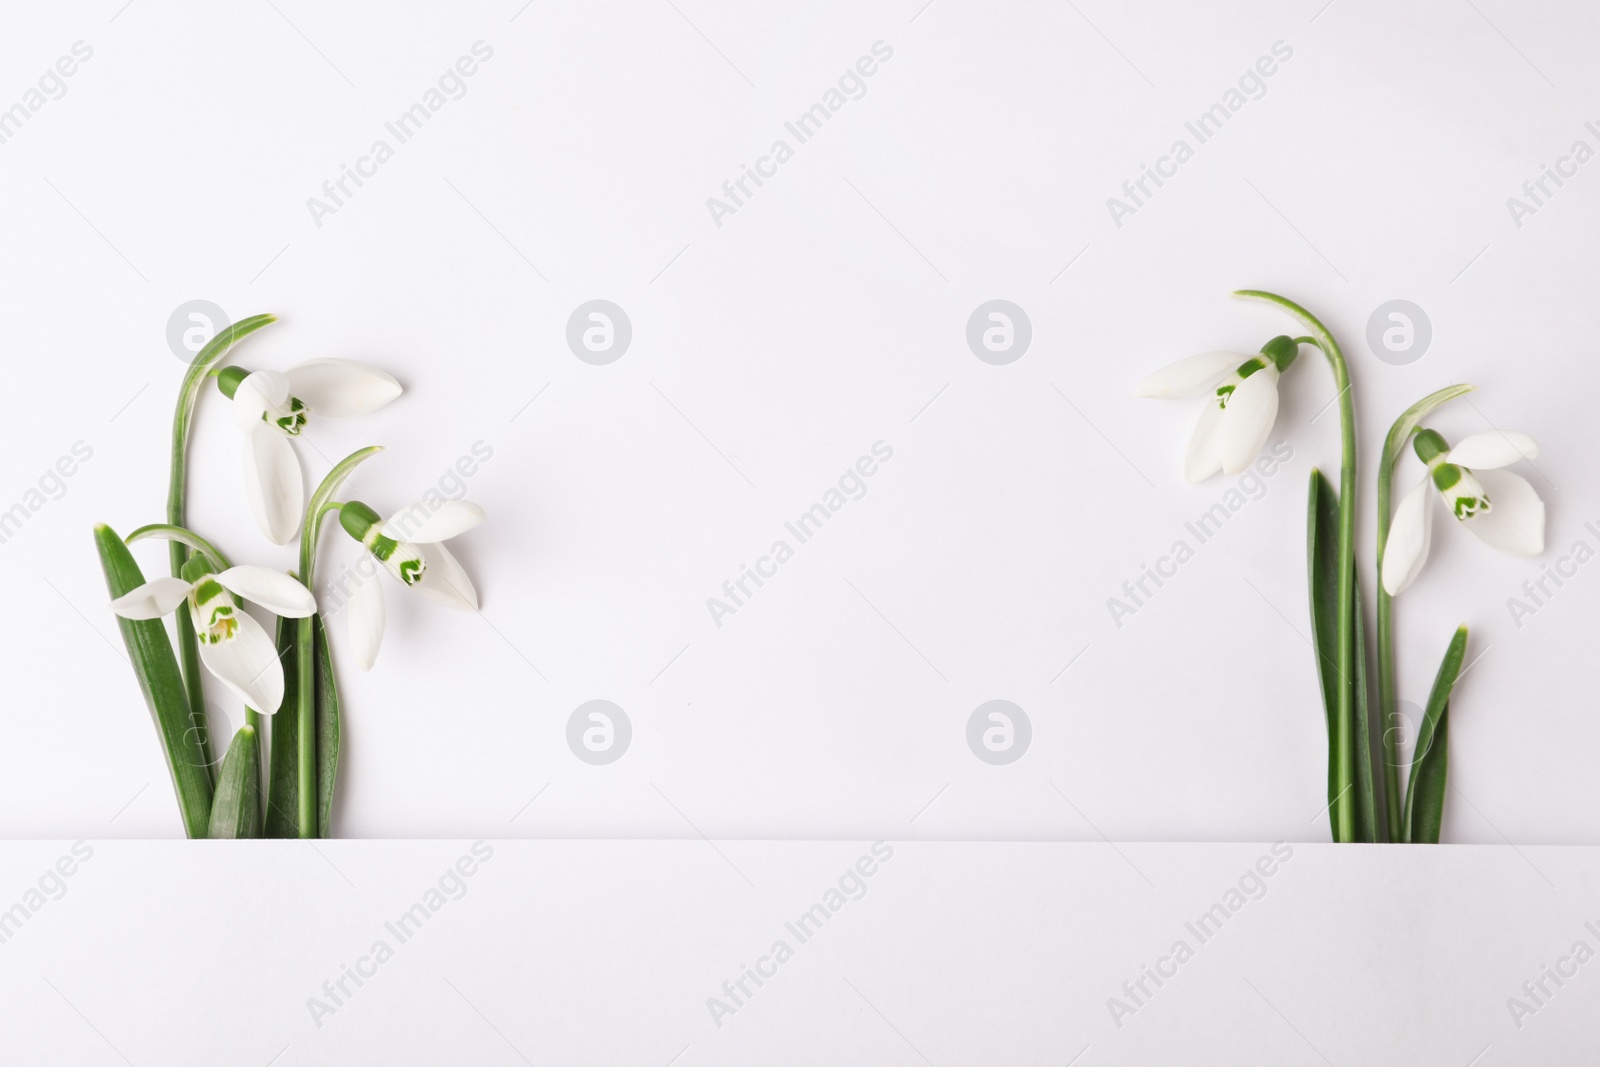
[(409, 547), (233, 646), (270, 407), (1241, 403), (1501, 508)]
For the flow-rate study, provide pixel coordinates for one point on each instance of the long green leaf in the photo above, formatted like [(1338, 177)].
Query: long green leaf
[(328, 727), (283, 782), (1424, 811), (1322, 551), (1322, 548), (155, 665), (236, 811), (1370, 823)]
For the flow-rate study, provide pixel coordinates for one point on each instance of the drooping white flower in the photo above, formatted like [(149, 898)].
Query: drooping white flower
[(233, 646), (1501, 508), (409, 547), (1241, 403), (270, 407)]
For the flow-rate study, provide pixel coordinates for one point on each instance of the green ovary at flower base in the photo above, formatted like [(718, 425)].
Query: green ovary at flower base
[(408, 546)]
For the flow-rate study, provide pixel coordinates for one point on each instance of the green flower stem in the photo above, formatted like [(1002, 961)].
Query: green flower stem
[(305, 630), (1388, 700), (1342, 739), (177, 487)]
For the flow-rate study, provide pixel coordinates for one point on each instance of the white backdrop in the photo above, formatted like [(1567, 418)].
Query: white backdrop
[(774, 344)]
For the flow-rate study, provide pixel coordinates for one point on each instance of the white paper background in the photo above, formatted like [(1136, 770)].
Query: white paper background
[(769, 354), (949, 953)]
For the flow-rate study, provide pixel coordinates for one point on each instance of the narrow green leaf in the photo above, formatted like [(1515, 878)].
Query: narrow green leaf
[(1424, 811), (283, 781), (328, 726), (1370, 822), (155, 665), (236, 810), (1322, 552)]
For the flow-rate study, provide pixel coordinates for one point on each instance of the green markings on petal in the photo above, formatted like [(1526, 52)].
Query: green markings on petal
[(380, 546), (214, 611), (1461, 490), (1247, 368), (404, 561), (399, 558), (292, 423)]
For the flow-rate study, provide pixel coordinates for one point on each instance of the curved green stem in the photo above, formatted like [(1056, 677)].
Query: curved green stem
[(183, 537), (320, 506), (177, 487), (1388, 698), (1342, 741)]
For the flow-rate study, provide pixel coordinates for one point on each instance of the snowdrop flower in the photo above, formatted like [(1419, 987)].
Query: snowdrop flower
[(271, 406), (408, 546), (233, 646), (1498, 506), (1241, 403)]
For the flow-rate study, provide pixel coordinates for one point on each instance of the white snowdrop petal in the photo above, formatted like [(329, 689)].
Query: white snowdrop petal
[(1191, 376), (1202, 459), (342, 388), (1497, 448), (424, 522), (273, 484), (273, 590), (1247, 420), (444, 581), (1410, 538), (259, 393), (248, 664), (366, 610), (1514, 523), (153, 599)]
